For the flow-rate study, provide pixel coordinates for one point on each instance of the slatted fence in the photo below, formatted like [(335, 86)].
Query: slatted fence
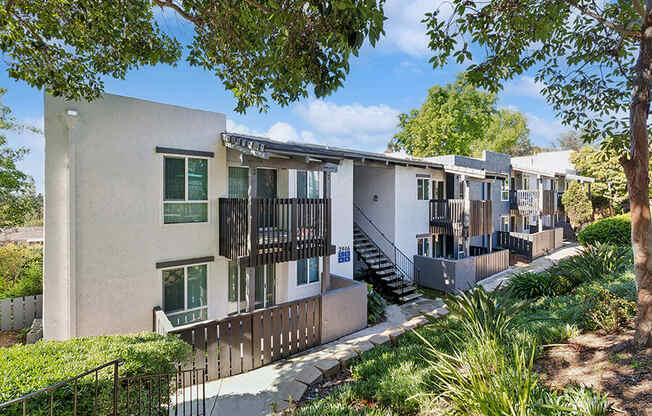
[(491, 263), (18, 313), (481, 218), (532, 245), (241, 343)]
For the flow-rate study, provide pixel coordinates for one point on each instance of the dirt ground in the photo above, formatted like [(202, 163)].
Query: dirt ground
[(610, 363), (9, 338)]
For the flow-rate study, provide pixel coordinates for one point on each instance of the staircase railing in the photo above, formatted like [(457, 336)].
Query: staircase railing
[(405, 268)]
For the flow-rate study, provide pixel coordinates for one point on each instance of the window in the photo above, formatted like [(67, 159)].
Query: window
[(423, 246), (238, 182), (423, 189), (438, 190), (526, 183), (237, 293), (437, 245), (505, 223), (504, 190), (307, 184), (184, 294), (265, 295), (185, 190), (265, 286), (307, 271)]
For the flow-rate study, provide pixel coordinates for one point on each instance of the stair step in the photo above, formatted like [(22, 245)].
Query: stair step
[(389, 278), (375, 259), (405, 291), (397, 283), (368, 250), (362, 244), (383, 265), (411, 296), (385, 272)]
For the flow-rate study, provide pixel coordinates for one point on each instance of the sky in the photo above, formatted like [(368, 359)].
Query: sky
[(392, 78)]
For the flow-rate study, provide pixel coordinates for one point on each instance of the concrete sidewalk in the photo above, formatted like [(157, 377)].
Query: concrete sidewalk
[(271, 388)]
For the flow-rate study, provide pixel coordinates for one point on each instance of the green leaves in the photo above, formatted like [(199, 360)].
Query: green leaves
[(262, 50), (577, 205)]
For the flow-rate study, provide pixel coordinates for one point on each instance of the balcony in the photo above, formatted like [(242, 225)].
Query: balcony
[(282, 229), (447, 217), (526, 202)]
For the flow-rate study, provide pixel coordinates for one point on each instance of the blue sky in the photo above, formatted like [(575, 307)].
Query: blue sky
[(384, 81)]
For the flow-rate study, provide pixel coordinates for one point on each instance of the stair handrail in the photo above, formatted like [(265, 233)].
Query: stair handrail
[(397, 250)]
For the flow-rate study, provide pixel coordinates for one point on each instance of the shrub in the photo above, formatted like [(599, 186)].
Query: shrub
[(594, 262), (615, 230), (28, 368), (375, 306), (577, 204), (608, 311), (21, 270), (529, 285)]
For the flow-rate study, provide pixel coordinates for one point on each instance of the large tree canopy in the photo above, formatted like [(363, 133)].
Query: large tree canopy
[(17, 198), (595, 61), (461, 119), (260, 49)]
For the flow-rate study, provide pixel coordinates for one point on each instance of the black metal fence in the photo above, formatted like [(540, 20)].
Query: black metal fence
[(101, 391)]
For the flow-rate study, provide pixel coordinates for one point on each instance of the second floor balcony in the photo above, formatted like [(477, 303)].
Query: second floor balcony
[(449, 217), (282, 229), (527, 202)]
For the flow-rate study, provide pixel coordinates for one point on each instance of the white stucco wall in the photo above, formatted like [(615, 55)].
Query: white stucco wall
[(369, 182), (105, 257), (411, 214)]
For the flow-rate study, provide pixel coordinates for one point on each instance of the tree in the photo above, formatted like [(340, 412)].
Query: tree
[(577, 205), (259, 49), (569, 141), (595, 61), (507, 133), (16, 187), (461, 119), (611, 183)]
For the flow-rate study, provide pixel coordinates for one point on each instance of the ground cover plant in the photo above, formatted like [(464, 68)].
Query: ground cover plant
[(28, 368), (481, 359)]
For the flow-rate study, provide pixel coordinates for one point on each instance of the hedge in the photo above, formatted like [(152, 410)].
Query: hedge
[(28, 368), (614, 230)]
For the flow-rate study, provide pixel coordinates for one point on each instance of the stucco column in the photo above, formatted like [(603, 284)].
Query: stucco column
[(72, 120), (253, 234), (467, 213)]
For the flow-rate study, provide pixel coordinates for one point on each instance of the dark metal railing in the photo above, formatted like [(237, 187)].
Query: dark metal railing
[(405, 269), (447, 216), (159, 394), (283, 229)]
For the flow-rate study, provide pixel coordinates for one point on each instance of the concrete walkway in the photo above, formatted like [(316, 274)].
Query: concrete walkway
[(272, 388)]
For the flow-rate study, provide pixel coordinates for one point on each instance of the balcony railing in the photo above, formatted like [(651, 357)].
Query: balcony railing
[(282, 229), (447, 217), (527, 202)]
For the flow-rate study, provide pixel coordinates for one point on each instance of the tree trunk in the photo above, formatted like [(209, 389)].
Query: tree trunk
[(636, 169)]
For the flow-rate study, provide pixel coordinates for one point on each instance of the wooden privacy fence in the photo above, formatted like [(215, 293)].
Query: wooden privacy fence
[(531, 245), (447, 216), (491, 263), (244, 342), (18, 313), (481, 221)]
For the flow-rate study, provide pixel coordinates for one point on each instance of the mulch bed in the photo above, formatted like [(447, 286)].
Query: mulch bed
[(9, 338), (608, 362)]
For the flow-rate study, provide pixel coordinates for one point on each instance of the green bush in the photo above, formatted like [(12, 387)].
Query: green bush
[(375, 306), (529, 285), (615, 230), (27, 368), (21, 270), (594, 262)]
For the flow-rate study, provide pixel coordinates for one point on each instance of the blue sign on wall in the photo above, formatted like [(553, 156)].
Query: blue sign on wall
[(344, 254)]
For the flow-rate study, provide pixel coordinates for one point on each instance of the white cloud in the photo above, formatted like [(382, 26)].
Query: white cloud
[(283, 131), (233, 127), (525, 86), (348, 120), (278, 131), (548, 130), (403, 28)]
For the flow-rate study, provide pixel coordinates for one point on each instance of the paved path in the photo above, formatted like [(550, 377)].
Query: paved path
[(271, 388)]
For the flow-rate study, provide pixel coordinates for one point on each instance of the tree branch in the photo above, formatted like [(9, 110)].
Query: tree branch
[(171, 4), (639, 8), (623, 31)]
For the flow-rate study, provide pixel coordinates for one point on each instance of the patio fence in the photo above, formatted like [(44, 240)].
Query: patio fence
[(18, 313)]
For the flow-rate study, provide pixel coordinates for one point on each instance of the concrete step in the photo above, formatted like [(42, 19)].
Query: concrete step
[(410, 297)]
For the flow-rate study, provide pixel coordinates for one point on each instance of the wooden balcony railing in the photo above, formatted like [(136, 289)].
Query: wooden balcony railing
[(527, 202), (282, 229), (447, 217)]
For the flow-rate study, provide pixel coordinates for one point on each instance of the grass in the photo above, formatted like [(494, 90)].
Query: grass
[(479, 361)]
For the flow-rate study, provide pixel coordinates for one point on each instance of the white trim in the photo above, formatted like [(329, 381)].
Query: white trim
[(186, 200), (504, 187), (185, 289)]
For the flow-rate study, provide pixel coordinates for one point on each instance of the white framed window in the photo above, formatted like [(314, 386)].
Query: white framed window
[(307, 184), (185, 189), (307, 271), (438, 190), (185, 293), (423, 189), (423, 246), (504, 222), (504, 190)]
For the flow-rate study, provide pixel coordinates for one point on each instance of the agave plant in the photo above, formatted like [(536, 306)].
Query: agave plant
[(594, 262)]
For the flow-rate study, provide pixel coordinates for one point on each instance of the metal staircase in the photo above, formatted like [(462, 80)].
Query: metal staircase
[(388, 268)]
